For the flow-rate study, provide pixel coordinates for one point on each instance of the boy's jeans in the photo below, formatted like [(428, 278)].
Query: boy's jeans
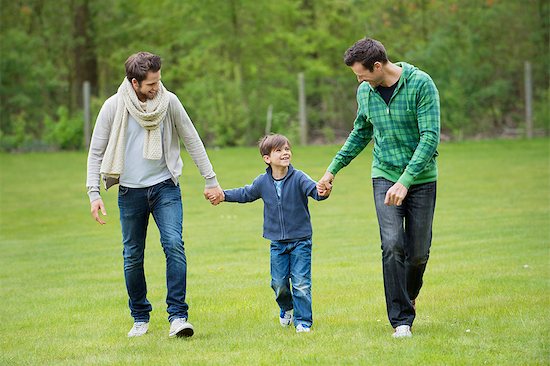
[(292, 261), (406, 235), (163, 200)]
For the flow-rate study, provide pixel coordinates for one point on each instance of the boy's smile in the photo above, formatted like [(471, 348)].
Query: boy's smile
[(279, 157)]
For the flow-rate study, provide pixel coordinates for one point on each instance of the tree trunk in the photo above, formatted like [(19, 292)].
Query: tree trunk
[(85, 59)]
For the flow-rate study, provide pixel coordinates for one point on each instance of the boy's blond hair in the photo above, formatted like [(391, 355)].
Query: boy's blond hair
[(270, 142)]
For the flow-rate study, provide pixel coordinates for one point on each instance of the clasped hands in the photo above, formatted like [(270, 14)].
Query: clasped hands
[(215, 195), (324, 185)]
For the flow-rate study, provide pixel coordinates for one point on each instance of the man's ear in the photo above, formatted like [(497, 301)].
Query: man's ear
[(135, 84), (267, 159)]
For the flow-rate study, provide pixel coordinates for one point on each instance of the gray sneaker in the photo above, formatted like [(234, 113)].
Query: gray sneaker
[(139, 329), (179, 327)]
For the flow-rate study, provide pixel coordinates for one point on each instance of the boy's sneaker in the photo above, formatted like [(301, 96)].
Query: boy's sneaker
[(180, 327), (402, 331), (285, 318), (139, 329), (303, 328)]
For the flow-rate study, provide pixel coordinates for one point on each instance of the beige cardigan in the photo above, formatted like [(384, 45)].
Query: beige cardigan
[(177, 125)]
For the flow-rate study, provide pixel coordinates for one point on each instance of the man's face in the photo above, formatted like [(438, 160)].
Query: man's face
[(149, 86), (374, 77), (279, 156)]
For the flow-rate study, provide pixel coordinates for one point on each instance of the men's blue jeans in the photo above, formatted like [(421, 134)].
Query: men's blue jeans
[(291, 264), (163, 201), (406, 235)]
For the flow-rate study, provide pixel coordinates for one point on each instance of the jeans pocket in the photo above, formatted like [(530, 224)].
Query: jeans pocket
[(122, 190), (169, 182)]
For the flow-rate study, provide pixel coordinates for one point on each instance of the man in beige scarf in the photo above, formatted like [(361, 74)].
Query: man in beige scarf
[(136, 143)]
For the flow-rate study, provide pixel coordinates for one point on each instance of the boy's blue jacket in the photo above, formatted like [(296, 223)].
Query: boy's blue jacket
[(285, 218)]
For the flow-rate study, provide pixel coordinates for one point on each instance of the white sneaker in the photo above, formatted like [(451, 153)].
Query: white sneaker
[(139, 329), (285, 318), (402, 331), (303, 328), (181, 328)]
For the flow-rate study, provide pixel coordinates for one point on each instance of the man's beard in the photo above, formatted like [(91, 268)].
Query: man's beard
[(147, 96)]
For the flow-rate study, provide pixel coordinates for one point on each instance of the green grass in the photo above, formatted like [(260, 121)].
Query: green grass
[(485, 299)]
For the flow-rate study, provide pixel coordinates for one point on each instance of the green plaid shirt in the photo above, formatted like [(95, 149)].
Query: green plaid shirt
[(405, 132)]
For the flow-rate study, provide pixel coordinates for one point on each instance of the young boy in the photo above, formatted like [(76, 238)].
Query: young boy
[(287, 225)]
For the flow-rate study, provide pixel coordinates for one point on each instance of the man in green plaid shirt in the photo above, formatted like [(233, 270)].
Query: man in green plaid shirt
[(398, 107)]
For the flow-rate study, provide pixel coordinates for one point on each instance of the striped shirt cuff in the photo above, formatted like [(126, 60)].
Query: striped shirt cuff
[(211, 182)]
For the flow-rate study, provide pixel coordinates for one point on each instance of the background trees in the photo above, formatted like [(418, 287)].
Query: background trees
[(228, 61)]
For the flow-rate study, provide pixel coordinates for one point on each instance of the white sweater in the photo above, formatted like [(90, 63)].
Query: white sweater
[(177, 125)]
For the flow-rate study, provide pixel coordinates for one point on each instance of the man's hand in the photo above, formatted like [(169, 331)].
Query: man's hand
[(395, 195), (214, 195), (96, 206), (324, 185)]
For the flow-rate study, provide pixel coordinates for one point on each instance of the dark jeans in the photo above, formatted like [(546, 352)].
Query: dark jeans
[(291, 264), (406, 235), (163, 201)]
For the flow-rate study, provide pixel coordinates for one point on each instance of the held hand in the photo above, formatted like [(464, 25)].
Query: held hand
[(395, 195), (96, 206), (324, 185), (216, 200), (214, 195)]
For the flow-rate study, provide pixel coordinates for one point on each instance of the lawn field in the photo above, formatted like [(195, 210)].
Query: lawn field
[(485, 300)]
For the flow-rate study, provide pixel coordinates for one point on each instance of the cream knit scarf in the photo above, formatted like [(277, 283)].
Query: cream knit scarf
[(150, 119)]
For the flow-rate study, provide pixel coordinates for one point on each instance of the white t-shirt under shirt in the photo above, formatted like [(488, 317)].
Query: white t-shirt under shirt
[(140, 172)]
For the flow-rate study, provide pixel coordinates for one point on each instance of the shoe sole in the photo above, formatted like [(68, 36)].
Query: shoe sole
[(183, 333)]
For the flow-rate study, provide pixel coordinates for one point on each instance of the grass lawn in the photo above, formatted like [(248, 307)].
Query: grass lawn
[(485, 299)]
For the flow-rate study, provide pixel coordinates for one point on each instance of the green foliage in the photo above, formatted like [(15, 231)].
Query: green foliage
[(484, 300), (541, 111), (229, 60), (65, 132)]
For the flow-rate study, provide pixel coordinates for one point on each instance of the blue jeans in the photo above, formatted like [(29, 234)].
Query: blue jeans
[(291, 264), (406, 235), (163, 201)]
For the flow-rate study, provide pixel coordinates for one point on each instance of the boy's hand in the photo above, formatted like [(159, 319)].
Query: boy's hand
[(214, 195), (324, 185)]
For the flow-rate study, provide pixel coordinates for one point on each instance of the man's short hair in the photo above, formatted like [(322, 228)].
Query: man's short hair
[(139, 64), (270, 142), (367, 51)]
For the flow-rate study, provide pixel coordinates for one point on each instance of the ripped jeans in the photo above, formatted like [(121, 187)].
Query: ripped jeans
[(291, 265)]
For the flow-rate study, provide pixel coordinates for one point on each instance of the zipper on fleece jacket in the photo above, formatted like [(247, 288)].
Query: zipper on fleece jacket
[(280, 209)]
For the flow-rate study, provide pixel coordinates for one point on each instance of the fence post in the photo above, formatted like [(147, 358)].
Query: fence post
[(268, 119), (86, 97), (302, 106), (528, 100)]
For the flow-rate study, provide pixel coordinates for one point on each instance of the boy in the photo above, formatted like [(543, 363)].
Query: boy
[(287, 224)]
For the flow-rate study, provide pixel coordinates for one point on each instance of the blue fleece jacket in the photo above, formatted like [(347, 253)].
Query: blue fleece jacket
[(287, 217)]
